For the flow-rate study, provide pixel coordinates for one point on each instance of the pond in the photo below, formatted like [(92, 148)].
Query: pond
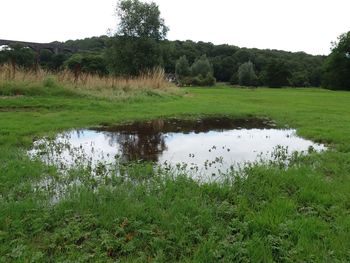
[(204, 147)]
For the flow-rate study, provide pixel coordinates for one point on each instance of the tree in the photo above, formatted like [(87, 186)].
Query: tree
[(276, 74), (50, 61), (182, 68), (337, 65), (304, 69), (223, 67), (87, 63), (135, 47), (132, 56), (18, 55), (299, 79), (201, 67), (202, 72), (246, 74), (139, 19), (199, 74)]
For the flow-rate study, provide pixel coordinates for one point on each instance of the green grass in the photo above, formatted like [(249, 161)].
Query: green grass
[(274, 215)]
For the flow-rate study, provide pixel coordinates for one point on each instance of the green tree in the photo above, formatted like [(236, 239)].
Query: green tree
[(88, 63), (132, 56), (52, 62), (246, 74), (18, 55), (223, 67), (202, 72), (199, 74), (201, 67), (276, 74), (299, 79), (182, 68), (337, 65), (138, 19), (135, 47), (304, 69)]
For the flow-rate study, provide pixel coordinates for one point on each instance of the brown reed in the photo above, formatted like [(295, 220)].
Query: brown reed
[(91, 84)]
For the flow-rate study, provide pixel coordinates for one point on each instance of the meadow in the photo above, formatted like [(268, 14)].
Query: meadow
[(299, 214)]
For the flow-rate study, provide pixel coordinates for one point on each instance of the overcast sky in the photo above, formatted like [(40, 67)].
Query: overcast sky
[(292, 25)]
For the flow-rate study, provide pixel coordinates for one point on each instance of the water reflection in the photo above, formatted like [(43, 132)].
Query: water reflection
[(147, 140), (208, 146)]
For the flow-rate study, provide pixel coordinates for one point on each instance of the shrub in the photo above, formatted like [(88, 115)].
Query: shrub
[(208, 80), (199, 74), (50, 82)]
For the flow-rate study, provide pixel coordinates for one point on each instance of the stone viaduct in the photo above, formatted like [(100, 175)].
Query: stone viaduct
[(55, 48)]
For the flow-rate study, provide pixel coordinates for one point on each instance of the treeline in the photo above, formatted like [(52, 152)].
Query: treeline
[(301, 69), (271, 67), (295, 69)]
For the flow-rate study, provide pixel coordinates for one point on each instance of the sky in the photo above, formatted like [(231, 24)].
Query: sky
[(291, 25)]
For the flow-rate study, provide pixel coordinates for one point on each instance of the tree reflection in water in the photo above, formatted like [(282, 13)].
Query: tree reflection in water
[(146, 140)]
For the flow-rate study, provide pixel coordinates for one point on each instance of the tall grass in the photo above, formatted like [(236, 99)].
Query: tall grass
[(18, 81)]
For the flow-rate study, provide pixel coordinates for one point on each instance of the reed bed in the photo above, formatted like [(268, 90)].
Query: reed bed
[(15, 81)]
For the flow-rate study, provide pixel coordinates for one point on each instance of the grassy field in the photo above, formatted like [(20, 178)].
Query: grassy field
[(301, 214)]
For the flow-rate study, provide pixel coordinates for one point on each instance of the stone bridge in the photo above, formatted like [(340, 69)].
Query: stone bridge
[(55, 48)]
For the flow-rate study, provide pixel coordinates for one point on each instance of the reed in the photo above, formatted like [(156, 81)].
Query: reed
[(85, 84)]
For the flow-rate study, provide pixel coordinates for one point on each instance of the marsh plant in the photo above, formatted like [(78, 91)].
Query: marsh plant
[(19, 81), (84, 167)]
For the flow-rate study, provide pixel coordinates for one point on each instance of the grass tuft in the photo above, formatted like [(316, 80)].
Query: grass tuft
[(17, 81)]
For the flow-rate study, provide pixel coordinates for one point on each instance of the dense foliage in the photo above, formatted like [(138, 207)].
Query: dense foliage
[(87, 63), (303, 70), (199, 74), (246, 74), (140, 20), (276, 74), (337, 66), (131, 56), (17, 54), (182, 68), (136, 48)]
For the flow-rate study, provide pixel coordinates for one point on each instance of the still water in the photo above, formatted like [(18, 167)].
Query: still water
[(209, 146)]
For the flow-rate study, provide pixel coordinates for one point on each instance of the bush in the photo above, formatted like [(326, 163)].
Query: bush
[(208, 80), (200, 73), (50, 82)]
